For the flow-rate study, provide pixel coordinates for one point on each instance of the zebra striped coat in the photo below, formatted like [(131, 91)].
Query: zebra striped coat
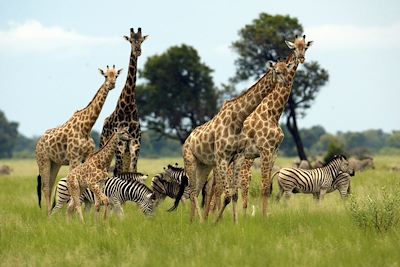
[(172, 183), (118, 191), (316, 181)]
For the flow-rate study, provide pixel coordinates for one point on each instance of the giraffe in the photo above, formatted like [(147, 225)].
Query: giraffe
[(261, 135), (93, 171), (70, 143), (126, 113), (214, 143)]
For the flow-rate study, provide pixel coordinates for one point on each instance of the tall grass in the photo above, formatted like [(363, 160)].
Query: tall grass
[(300, 232)]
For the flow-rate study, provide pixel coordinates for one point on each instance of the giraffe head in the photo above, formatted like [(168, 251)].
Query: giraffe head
[(136, 40), (299, 47), (279, 71), (111, 76), (123, 134)]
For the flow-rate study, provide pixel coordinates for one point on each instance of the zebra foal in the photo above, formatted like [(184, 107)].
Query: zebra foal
[(317, 181)]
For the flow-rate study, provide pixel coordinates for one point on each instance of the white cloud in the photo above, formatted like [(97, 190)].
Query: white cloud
[(351, 37), (32, 36)]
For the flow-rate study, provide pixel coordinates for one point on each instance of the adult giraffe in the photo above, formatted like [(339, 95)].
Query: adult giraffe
[(261, 134), (71, 143), (268, 109), (214, 143), (126, 113)]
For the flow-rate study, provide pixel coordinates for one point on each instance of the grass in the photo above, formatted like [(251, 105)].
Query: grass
[(300, 233)]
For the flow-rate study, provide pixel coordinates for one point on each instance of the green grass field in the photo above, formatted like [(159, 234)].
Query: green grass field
[(298, 233)]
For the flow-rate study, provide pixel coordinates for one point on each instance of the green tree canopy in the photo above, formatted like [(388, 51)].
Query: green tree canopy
[(178, 93), (263, 40), (8, 136)]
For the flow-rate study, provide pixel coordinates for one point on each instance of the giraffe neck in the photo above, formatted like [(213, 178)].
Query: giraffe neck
[(272, 106), (87, 117), (127, 100), (104, 156), (292, 71), (245, 104)]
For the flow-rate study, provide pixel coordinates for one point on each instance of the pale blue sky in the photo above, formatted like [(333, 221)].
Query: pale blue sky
[(50, 51)]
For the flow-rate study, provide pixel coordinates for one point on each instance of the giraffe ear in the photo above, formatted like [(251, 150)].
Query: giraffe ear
[(290, 44), (270, 64), (145, 37), (102, 72), (126, 38), (309, 43), (119, 71)]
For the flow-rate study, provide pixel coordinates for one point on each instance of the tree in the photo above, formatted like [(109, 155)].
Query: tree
[(179, 93), (8, 136), (263, 40)]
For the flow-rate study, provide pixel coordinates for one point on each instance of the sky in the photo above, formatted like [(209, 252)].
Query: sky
[(50, 52)]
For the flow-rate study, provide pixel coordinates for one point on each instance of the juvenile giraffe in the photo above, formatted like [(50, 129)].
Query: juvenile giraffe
[(214, 143), (126, 113), (71, 143), (93, 171), (261, 134)]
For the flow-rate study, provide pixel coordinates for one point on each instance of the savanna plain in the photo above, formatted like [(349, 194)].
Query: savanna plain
[(363, 230)]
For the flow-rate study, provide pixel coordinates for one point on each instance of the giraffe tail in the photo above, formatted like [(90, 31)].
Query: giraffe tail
[(184, 183), (39, 189)]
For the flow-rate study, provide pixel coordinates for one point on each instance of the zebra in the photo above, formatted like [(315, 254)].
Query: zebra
[(316, 181), (118, 190), (172, 183)]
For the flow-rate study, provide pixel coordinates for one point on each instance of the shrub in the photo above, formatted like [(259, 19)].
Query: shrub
[(380, 213)]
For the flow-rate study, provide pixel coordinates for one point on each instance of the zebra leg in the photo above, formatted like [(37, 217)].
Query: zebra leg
[(322, 193), (280, 193), (245, 178)]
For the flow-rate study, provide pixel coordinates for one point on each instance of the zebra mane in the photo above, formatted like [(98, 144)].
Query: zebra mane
[(335, 157), (174, 168)]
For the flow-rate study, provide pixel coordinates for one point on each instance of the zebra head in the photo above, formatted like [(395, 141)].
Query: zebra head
[(343, 164), (148, 205)]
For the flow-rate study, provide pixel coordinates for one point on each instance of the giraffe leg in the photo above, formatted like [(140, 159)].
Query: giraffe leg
[(190, 164), (95, 188), (210, 199), (234, 182), (75, 192), (119, 157), (202, 173), (245, 178), (54, 169), (266, 167), (134, 149), (222, 169), (44, 172)]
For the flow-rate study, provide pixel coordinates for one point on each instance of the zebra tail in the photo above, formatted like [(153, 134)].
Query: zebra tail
[(39, 189), (182, 186)]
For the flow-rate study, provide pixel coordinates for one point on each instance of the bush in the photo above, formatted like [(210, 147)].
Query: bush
[(378, 213)]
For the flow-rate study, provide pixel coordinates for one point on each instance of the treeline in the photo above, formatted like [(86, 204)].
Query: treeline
[(318, 142)]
